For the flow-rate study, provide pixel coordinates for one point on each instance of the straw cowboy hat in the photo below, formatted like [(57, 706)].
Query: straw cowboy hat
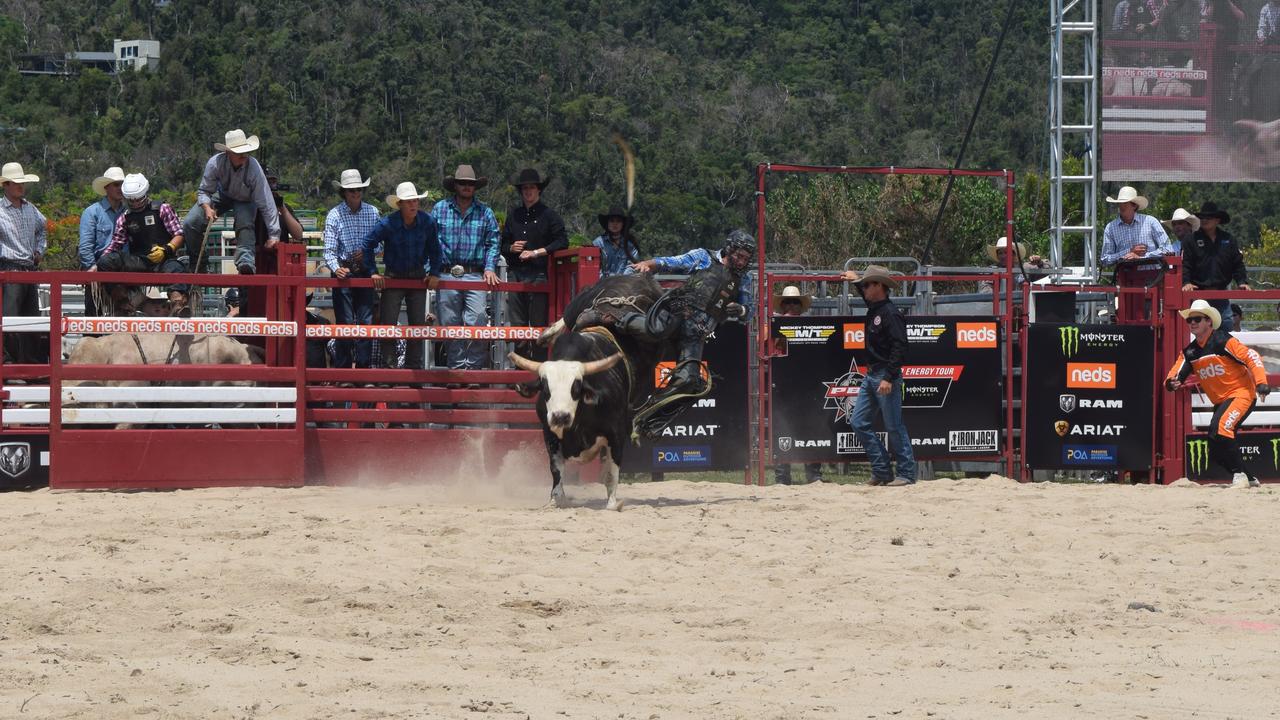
[(112, 175), (1181, 215), (237, 143), (1202, 307), (993, 251), (1210, 210), (405, 191), (350, 180), (529, 176), (878, 273), (1128, 194), (464, 172), (614, 212), (13, 173), (791, 292)]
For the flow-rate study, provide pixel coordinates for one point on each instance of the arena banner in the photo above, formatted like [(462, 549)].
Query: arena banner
[(24, 460), (1089, 396), (714, 433), (1190, 91), (1261, 451), (951, 388), (179, 326)]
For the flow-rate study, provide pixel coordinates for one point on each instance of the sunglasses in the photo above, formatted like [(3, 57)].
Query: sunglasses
[(1196, 319), (791, 302)]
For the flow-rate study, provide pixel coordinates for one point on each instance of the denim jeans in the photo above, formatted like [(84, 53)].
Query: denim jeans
[(891, 408), (465, 307), (194, 226), (353, 306)]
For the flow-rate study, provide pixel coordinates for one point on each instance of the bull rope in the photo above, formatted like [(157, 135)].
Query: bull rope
[(626, 361), (618, 301)]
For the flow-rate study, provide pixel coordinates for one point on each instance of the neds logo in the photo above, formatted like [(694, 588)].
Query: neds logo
[(976, 335), (1091, 375), (855, 336)]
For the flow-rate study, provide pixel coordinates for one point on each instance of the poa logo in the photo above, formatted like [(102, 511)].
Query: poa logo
[(1069, 340), (1198, 455)]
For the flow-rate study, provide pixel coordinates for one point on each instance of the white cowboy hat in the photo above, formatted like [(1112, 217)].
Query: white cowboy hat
[(112, 175), (993, 251), (405, 191), (350, 180), (1202, 307), (237, 143), (791, 292), (1128, 194), (13, 173), (1181, 215)]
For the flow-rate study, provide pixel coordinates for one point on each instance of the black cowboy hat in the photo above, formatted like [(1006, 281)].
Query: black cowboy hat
[(529, 176), (614, 212), (1210, 210)]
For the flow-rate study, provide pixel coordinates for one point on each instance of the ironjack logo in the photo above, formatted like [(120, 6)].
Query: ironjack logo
[(1069, 340), (1198, 455)]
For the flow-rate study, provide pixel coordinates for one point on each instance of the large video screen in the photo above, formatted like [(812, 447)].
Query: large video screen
[(1191, 90)]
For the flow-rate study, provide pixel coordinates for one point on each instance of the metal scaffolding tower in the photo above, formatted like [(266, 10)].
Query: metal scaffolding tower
[(1073, 131)]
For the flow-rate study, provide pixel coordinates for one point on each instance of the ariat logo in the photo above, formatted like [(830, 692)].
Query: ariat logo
[(1198, 455), (1069, 340)]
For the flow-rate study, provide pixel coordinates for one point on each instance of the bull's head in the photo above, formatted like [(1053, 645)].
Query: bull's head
[(563, 384)]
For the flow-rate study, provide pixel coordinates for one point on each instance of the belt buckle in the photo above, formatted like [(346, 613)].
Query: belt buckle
[(457, 271)]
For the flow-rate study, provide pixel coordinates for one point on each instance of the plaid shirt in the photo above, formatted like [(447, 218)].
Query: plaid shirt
[(22, 232), (345, 231), (119, 238), (1118, 238), (701, 259), (470, 239)]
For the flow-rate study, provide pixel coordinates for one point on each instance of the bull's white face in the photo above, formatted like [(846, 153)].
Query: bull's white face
[(562, 382)]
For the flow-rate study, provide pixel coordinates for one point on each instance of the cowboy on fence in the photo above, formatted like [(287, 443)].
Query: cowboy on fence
[(469, 246), (1132, 235), (232, 181), (147, 238), (411, 252), (346, 228)]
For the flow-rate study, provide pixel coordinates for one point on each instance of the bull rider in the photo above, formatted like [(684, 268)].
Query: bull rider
[(147, 238)]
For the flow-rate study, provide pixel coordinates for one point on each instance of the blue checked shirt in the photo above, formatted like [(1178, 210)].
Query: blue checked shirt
[(613, 259), (97, 223), (345, 232), (22, 232), (1118, 238), (470, 239), (701, 259)]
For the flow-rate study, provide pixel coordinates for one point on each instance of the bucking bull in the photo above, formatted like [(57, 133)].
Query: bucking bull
[(587, 387), (156, 349)]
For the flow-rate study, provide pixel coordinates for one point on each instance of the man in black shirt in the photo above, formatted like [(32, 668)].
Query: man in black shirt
[(530, 234), (886, 333), (1212, 258)]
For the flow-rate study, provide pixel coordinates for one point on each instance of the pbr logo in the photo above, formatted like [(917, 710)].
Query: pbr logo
[(15, 459), (1069, 340), (842, 392), (1061, 427), (784, 443), (1198, 456), (1067, 403)]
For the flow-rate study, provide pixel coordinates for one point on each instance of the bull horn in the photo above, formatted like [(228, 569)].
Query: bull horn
[(595, 366), (524, 363)]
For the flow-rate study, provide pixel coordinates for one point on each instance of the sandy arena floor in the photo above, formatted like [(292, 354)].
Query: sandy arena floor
[(953, 599)]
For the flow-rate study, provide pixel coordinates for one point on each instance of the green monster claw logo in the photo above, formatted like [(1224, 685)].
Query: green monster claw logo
[(1275, 453), (1198, 455), (1070, 339)]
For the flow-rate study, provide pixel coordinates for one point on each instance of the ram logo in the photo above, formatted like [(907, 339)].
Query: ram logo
[(15, 458)]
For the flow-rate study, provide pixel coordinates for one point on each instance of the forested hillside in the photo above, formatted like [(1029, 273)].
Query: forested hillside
[(407, 90)]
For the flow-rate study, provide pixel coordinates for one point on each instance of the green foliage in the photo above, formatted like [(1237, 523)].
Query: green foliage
[(407, 90)]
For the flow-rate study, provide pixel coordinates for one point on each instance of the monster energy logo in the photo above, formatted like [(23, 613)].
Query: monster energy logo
[(1198, 455), (1275, 453), (1070, 339)]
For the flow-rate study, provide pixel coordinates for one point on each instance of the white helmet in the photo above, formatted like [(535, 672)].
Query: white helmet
[(135, 186)]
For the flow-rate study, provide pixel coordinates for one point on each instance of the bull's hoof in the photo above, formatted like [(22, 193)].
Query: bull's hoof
[(613, 504)]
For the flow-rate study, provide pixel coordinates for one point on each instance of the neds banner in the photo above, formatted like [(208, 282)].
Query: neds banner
[(1089, 396), (951, 387)]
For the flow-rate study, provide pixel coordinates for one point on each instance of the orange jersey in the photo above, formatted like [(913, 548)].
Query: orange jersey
[(1224, 366)]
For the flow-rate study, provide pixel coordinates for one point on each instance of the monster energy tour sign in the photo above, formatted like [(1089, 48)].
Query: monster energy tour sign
[(1261, 452), (1089, 395)]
